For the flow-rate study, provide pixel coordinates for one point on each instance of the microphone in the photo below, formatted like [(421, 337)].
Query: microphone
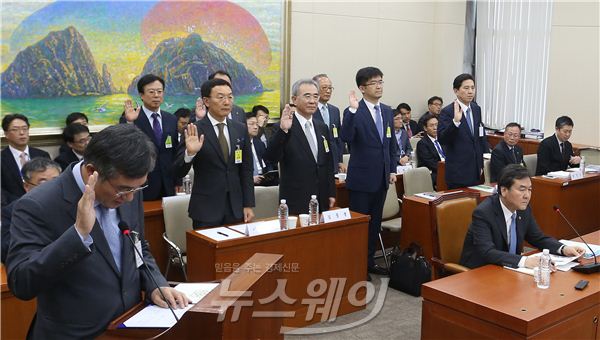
[(582, 268), (125, 231)]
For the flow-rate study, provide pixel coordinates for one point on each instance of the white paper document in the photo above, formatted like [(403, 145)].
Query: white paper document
[(258, 228), (559, 174), (220, 234), (157, 317)]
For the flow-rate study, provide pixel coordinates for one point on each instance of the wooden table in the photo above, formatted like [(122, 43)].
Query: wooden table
[(579, 200), (497, 303), (325, 251), (154, 227), (16, 314), (529, 145)]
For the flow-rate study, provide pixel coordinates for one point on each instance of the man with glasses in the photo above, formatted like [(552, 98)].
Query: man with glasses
[(219, 150), (76, 137), (301, 146), (161, 127), (368, 131), (507, 151), (330, 115), (67, 250), (13, 157), (35, 172)]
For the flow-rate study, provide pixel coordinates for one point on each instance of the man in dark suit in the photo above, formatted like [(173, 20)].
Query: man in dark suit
[(76, 137), (410, 126), (429, 150), (367, 129), (507, 151), (223, 190), (301, 145), (502, 222), (15, 155), (556, 152), (161, 127), (67, 250), (330, 115), (462, 133), (402, 139), (260, 165), (35, 172), (434, 107)]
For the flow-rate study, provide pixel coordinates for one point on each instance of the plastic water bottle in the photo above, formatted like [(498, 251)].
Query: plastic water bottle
[(544, 279), (413, 159), (313, 210), (187, 184), (582, 165), (282, 214)]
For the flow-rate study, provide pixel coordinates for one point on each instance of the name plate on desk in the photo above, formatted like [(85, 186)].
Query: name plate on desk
[(576, 175), (336, 215)]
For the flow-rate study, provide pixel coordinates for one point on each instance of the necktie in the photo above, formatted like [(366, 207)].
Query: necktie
[(22, 158), (223, 141), (111, 231), (468, 117), (562, 150), (408, 130), (311, 142), (325, 114), (439, 148), (512, 248), (514, 154), (156, 127), (379, 122), (399, 138)]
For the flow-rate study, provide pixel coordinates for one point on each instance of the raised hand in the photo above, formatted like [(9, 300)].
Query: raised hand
[(353, 100), (200, 109), (86, 214), (457, 112), (287, 117), (131, 113), (193, 142)]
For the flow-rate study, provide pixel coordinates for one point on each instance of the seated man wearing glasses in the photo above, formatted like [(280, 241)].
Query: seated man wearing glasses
[(507, 151), (66, 246), (76, 137), (35, 172), (18, 152)]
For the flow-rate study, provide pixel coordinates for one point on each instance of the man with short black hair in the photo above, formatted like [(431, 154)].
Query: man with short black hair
[(67, 250), (237, 112), (76, 137), (35, 172), (410, 126), (506, 151), (15, 155), (161, 127), (402, 139), (260, 166), (555, 152), (434, 107), (261, 113), (219, 150), (76, 117), (429, 150), (501, 224)]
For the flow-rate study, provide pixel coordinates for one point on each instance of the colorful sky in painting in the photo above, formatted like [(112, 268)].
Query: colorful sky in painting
[(122, 34)]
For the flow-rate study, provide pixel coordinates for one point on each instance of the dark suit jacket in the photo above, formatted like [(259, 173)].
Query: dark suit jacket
[(66, 158), (301, 176), (162, 178), (5, 228), (414, 127), (261, 149), (78, 291), (464, 150), (12, 182), (371, 161), (486, 241), (501, 157), (215, 177), (549, 157), (428, 156), (337, 145), (405, 141), (238, 114)]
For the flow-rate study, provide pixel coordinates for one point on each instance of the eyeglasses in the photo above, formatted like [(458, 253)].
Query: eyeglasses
[(327, 88), (223, 98), (120, 194), (375, 83), (83, 140), (153, 92), (19, 129)]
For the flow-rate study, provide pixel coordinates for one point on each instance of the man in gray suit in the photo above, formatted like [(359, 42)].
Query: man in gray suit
[(67, 250)]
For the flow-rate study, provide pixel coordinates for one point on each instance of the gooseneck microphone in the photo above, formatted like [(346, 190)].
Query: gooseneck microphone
[(582, 268), (125, 231)]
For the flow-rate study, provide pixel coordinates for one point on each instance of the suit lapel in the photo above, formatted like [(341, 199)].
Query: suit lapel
[(12, 164), (144, 124), (500, 222), (303, 138), (210, 136), (366, 113)]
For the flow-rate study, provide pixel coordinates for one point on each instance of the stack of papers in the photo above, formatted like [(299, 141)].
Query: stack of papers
[(485, 188), (559, 174)]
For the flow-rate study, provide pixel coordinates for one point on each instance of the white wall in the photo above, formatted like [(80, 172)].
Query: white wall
[(408, 41), (573, 74)]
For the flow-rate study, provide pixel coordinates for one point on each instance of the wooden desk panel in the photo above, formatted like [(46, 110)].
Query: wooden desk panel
[(579, 200), (325, 251), (493, 302), (154, 227), (16, 314)]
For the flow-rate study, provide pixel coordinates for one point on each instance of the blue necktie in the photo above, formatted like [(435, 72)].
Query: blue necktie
[(468, 117), (325, 114), (156, 127), (105, 218), (379, 122), (512, 248), (439, 148)]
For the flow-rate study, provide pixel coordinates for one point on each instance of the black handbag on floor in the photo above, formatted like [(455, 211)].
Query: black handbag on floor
[(409, 270)]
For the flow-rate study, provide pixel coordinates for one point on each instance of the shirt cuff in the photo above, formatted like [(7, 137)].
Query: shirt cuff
[(560, 250), (187, 158), (455, 123), (522, 262), (87, 242), (352, 110)]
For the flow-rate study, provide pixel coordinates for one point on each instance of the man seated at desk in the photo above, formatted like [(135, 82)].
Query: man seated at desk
[(556, 152), (507, 151), (502, 222)]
